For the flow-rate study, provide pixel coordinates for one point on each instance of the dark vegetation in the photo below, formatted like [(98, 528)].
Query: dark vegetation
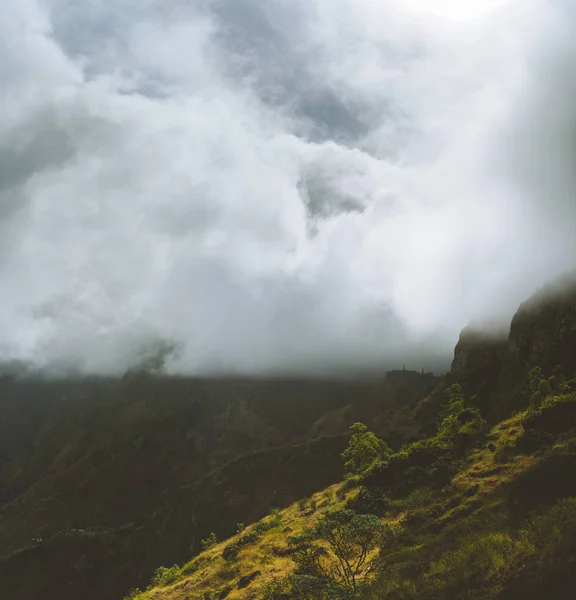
[(159, 464), (438, 533), (453, 487)]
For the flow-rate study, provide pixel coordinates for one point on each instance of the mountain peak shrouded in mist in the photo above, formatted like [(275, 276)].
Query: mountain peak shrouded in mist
[(98, 469), (276, 187)]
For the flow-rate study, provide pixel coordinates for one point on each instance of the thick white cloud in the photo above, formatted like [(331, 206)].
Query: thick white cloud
[(276, 185), (459, 10)]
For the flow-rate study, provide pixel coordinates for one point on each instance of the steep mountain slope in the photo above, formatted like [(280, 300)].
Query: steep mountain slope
[(125, 475), (478, 537), (482, 511), (111, 479)]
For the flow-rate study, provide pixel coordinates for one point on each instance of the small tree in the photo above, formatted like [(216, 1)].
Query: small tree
[(364, 450), (460, 421), (559, 384), (535, 376), (456, 401), (544, 388), (532, 387), (165, 576), (540, 388), (340, 551), (210, 541)]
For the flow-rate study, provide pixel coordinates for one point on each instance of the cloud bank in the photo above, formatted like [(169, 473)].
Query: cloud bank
[(272, 186)]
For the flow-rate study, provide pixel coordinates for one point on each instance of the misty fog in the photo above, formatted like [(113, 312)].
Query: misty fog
[(272, 186)]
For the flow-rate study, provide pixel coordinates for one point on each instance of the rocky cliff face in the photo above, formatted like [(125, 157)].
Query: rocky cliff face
[(542, 332), (479, 354)]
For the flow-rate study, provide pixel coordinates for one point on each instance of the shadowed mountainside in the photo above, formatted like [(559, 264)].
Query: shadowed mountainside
[(104, 480), (106, 469), (482, 504)]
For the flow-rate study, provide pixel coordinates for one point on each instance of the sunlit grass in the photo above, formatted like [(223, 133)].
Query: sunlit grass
[(463, 541), (210, 573)]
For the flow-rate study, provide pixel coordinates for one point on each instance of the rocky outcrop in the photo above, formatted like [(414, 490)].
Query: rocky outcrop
[(479, 354), (493, 367), (543, 331)]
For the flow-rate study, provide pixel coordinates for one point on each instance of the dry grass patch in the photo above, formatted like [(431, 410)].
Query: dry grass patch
[(209, 573)]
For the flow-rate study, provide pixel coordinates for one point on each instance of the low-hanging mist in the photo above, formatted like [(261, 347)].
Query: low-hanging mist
[(272, 186)]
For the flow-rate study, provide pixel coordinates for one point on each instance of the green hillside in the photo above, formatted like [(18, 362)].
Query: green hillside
[(458, 486), (472, 512)]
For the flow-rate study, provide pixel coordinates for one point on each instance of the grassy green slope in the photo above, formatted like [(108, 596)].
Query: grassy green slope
[(502, 527)]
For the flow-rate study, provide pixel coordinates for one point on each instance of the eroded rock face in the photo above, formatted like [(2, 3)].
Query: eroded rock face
[(478, 352), (493, 368), (543, 331)]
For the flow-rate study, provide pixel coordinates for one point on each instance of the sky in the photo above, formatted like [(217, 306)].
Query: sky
[(456, 10), (278, 186)]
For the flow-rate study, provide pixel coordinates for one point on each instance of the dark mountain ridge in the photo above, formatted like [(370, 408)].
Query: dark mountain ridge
[(104, 480), (130, 456)]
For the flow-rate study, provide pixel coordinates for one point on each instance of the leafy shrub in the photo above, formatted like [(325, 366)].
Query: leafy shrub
[(230, 552), (540, 389), (364, 450), (430, 462), (555, 415), (416, 499), (316, 588), (210, 541), (277, 590), (433, 461), (544, 388), (461, 423), (165, 576), (369, 501), (300, 587)]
